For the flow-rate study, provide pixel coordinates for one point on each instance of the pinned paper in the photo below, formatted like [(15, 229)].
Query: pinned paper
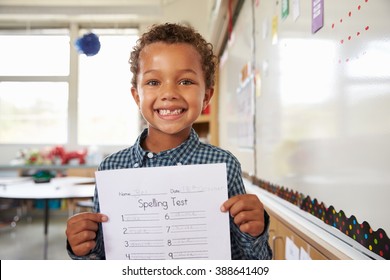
[(296, 10), (275, 30), (303, 255), (292, 250), (317, 15), (285, 9)]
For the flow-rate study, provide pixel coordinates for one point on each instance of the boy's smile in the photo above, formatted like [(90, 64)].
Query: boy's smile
[(170, 113), (171, 91)]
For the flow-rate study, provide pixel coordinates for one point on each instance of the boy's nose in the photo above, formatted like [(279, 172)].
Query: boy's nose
[(169, 92)]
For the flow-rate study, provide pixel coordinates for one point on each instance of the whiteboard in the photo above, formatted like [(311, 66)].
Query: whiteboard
[(323, 107)]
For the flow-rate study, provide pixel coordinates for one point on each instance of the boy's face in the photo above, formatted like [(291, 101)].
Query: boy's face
[(171, 91)]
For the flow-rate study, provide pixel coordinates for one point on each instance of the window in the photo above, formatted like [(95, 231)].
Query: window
[(33, 112), (42, 54), (40, 97), (34, 72)]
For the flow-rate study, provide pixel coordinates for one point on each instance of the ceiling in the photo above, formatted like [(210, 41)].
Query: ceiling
[(209, 17)]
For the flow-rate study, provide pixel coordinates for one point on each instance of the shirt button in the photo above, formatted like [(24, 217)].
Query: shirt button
[(150, 155), (136, 165)]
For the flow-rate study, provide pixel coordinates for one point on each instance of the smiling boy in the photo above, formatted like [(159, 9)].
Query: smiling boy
[(173, 77)]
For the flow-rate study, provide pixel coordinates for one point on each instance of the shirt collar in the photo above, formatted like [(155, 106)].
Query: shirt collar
[(179, 155)]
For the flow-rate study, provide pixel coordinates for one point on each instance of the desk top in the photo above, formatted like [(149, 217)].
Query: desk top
[(65, 187)]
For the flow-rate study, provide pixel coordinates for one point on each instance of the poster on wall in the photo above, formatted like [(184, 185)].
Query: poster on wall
[(317, 15), (285, 9), (246, 109), (296, 10)]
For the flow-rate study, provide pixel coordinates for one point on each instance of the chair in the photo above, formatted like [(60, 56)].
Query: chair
[(10, 212)]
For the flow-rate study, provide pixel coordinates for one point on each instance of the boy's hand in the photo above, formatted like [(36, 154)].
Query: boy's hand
[(247, 212), (81, 231)]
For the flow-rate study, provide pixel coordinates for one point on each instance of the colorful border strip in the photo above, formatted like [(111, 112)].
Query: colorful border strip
[(376, 241)]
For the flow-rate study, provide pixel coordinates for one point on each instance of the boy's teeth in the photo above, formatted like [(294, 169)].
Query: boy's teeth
[(166, 112)]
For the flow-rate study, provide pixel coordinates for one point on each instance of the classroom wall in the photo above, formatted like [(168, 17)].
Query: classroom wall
[(234, 58), (322, 102)]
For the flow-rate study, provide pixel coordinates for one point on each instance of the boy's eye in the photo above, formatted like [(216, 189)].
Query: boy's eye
[(152, 83), (186, 82)]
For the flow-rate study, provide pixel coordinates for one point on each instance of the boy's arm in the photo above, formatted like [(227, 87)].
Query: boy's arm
[(98, 253), (243, 245)]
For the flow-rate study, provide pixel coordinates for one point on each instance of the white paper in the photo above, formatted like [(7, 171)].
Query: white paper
[(296, 9), (303, 255), (165, 212), (292, 250)]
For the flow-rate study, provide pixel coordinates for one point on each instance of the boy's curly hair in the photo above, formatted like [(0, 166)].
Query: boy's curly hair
[(171, 33)]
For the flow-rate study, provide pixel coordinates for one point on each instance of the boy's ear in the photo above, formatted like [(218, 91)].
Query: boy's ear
[(207, 97), (135, 95)]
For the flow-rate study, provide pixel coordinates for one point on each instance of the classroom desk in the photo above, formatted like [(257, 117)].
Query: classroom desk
[(57, 188)]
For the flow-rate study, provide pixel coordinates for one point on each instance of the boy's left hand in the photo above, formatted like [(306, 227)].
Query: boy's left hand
[(247, 212)]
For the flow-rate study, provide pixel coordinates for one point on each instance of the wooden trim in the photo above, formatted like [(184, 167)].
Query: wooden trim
[(323, 247)]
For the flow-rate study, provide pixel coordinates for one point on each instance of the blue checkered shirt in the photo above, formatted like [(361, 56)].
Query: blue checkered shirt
[(192, 151)]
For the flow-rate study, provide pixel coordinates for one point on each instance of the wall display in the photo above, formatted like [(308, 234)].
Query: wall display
[(317, 15), (237, 57), (322, 120), (245, 104)]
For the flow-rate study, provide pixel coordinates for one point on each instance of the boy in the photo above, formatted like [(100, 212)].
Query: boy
[(173, 77)]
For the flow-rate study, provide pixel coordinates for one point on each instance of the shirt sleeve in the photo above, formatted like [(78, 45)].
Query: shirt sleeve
[(246, 247), (243, 245)]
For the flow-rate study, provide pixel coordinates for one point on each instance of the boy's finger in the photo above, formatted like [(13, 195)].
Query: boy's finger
[(84, 248), (230, 202), (96, 217), (253, 228)]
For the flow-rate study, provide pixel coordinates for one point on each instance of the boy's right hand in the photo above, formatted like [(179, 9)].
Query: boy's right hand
[(81, 231)]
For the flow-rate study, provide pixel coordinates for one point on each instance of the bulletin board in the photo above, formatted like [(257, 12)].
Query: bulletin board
[(322, 103), (236, 91)]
